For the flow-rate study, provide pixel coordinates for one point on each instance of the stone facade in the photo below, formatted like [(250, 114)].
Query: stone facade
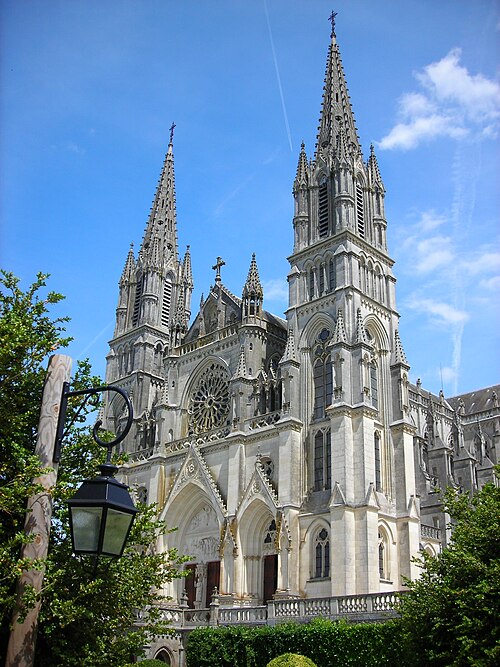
[(293, 455)]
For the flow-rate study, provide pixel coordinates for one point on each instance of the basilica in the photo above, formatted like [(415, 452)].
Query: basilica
[(292, 454)]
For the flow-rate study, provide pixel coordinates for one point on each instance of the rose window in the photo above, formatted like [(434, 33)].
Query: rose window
[(209, 403)]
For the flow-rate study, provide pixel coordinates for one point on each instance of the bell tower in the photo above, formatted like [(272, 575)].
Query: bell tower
[(354, 374), (154, 306)]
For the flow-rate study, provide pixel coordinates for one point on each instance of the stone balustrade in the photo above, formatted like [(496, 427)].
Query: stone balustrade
[(369, 607)]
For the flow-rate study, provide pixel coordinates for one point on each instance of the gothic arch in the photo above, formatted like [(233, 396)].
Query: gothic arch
[(385, 550), (164, 655), (199, 524), (318, 540), (314, 327), (377, 330), (258, 541)]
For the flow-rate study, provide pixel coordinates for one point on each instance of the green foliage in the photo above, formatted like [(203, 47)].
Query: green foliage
[(326, 643), (27, 336), (451, 612), (291, 660), (88, 613)]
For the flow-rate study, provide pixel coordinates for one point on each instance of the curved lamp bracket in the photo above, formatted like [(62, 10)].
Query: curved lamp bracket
[(62, 432)]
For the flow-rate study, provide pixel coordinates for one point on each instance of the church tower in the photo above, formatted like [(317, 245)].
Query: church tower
[(292, 455), (353, 369), (153, 311)]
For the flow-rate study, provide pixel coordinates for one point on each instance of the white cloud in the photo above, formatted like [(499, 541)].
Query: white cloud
[(441, 312), (490, 284), (448, 81), (429, 220), (409, 135), (433, 252), (448, 374), (452, 103), (275, 290), (483, 262)]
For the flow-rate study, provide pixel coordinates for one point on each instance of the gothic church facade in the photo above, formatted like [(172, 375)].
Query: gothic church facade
[(293, 455)]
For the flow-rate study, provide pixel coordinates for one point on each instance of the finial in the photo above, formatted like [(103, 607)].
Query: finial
[(216, 267), (172, 128), (331, 18)]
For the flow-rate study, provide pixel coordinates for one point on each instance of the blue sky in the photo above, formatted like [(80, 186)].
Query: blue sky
[(90, 89)]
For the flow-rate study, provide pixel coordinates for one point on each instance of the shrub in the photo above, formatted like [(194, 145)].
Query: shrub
[(326, 643), (291, 660)]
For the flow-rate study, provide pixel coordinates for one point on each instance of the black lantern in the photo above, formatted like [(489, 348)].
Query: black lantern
[(101, 514)]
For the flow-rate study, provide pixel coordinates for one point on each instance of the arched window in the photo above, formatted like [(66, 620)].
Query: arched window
[(323, 210), (137, 301), (322, 554), (167, 301), (322, 460), (362, 274), (321, 280), (360, 210), (383, 555), (311, 283), (378, 465), (331, 275), (322, 372), (158, 358), (374, 384)]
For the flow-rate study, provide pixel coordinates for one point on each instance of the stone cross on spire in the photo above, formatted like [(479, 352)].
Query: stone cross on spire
[(172, 128), (331, 18), (217, 267)]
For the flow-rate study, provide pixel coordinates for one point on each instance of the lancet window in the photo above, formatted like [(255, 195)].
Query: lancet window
[(331, 275), (374, 384), (167, 300), (360, 210), (322, 460), (269, 389), (383, 555), (378, 461), (322, 554), (323, 210), (322, 373), (137, 301)]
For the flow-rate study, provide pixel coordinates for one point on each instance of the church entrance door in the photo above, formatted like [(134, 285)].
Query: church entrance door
[(213, 580), (270, 577)]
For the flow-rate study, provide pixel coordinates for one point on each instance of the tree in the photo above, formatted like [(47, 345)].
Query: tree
[(451, 612), (88, 615), (27, 336)]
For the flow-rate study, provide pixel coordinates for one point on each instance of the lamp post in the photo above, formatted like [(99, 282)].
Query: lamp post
[(101, 511)]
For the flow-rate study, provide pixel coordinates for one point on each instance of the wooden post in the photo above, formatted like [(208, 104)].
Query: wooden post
[(21, 649)]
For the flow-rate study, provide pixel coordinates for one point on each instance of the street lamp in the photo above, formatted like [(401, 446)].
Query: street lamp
[(101, 512)]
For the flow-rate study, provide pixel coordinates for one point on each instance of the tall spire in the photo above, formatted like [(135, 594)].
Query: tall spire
[(128, 269), (374, 171), (399, 353), (301, 177), (336, 110), (253, 294), (162, 222)]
